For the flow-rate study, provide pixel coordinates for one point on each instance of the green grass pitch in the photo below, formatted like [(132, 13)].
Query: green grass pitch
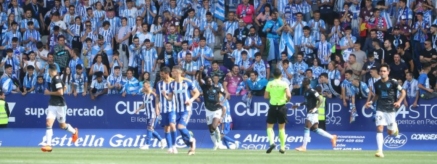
[(205, 156)]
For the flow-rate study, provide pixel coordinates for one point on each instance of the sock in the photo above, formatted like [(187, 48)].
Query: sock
[(185, 133), (49, 134), (149, 137), (156, 135), (306, 137), (379, 141), (217, 135), (229, 139), (282, 138), (213, 139), (70, 129), (168, 138), (324, 133), (271, 135), (226, 142), (174, 135)]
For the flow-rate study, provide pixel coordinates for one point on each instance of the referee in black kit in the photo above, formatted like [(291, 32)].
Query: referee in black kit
[(279, 94)]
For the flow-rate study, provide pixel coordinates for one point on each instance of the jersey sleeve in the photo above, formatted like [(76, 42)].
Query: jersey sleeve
[(189, 86), (58, 83), (268, 87)]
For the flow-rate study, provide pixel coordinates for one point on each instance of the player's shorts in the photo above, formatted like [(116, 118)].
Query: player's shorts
[(58, 112), (182, 118), (277, 114), (313, 118), (385, 119), (210, 115), (150, 122), (168, 118), (226, 127)]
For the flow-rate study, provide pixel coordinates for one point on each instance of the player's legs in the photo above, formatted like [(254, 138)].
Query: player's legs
[(165, 122), (157, 136), (380, 123), (172, 130), (306, 134), (50, 119), (226, 128), (392, 126), (60, 117), (272, 119), (213, 121), (182, 122), (315, 128)]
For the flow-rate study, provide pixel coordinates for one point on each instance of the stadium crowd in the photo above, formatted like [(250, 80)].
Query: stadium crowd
[(113, 46)]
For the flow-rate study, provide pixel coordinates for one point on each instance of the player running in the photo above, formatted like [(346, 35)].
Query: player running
[(57, 109), (386, 105), (279, 94), (313, 101), (151, 105), (180, 91), (166, 108), (214, 108)]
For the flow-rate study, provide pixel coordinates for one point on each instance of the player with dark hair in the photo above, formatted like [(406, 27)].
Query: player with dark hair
[(183, 93), (313, 101), (278, 93), (57, 109), (214, 109), (385, 95)]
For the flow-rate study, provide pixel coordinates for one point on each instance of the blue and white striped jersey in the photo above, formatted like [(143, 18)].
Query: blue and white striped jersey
[(79, 80), (252, 42), (349, 88), (189, 27), (30, 81), (115, 24), (199, 51), (114, 80), (181, 94), (99, 86), (131, 86), (149, 101), (23, 24), (371, 83), (230, 26), (226, 105), (236, 54), (411, 88), (166, 106), (32, 34), (208, 29), (189, 67), (149, 56)]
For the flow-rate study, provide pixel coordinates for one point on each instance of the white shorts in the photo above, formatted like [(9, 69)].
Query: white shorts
[(58, 112), (313, 118), (210, 115), (385, 119)]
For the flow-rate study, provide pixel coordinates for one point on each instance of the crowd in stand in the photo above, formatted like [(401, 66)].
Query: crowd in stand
[(113, 46)]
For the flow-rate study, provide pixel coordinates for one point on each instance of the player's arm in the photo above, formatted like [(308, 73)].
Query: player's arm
[(138, 110), (157, 110), (288, 93), (319, 102), (196, 94)]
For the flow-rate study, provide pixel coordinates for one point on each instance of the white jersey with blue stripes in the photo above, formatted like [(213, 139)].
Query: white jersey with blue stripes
[(166, 106), (149, 105), (181, 94)]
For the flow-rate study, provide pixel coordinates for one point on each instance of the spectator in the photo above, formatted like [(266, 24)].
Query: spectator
[(66, 79), (98, 86), (79, 81), (245, 12), (317, 25), (255, 85), (9, 83), (73, 32), (145, 34), (420, 30), (354, 66), (287, 72), (183, 52), (148, 57), (98, 67), (299, 68), (336, 34), (75, 60), (253, 43), (434, 35), (425, 88), (216, 69), (398, 69), (378, 52), (135, 57), (29, 81), (361, 89), (347, 92), (189, 66), (241, 32), (261, 67), (379, 23), (236, 54), (316, 69), (226, 51), (406, 58), (31, 36), (428, 53), (360, 55), (397, 39), (41, 85), (390, 51), (306, 44), (209, 29), (368, 66), (245, 63), (286, 44), (32, 61), (411, 87), (41, 56), (168, 57), (203, 54), (13, 62), (232, 80), (129, 12), (173, 38), (374, 72), (313, 81), (347, 43), (283, 57), (368, 44), (115, 81), (131, 85), (323, 51), (157, 31), (118, 61), (333, 79), (50, 60), (230, 25)]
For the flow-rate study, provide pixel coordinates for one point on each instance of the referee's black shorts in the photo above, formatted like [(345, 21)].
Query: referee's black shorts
[(277, 114)]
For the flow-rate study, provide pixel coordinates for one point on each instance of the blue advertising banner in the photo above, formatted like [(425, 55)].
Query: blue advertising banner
[(247, 139), (116, 112)]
